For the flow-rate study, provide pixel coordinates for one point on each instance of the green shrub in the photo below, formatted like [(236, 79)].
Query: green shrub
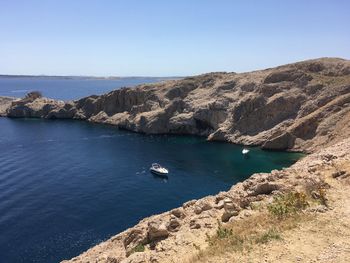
[(287, 204), (223, 232), (139, 248)]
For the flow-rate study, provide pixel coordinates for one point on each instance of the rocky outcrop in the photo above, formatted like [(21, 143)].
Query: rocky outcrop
[(300, 106), (175, 236), (5, 103)]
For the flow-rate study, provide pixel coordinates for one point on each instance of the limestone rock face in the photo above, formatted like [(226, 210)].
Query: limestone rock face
[(5, 103), (281, 142), (300, 106), (169, 237)]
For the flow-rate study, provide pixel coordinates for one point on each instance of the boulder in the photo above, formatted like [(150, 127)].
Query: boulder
[(201, 206), (189, 204), (134, 237), (178, 212), (157, 230), (173, 225), (194, 224), (230, 209), (220, 204), (264, 188), (228, 214)]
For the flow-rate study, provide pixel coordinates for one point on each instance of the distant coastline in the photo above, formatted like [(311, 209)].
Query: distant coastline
[(88, 77)]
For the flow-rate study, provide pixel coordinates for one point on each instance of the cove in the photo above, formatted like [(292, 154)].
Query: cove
[(68, 185)]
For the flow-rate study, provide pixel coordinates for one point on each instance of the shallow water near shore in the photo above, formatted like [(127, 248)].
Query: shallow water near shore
[(68, 185)]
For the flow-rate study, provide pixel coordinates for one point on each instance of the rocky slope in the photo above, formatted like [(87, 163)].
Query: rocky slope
[(301, 106), (178, 235), (318, 234), (5, 103)]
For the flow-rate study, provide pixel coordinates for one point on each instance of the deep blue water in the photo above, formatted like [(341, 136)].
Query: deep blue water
[(67, 185), (66, 88)]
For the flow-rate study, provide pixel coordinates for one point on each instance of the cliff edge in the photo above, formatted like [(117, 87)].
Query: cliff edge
[(298, 214), (302, 106)]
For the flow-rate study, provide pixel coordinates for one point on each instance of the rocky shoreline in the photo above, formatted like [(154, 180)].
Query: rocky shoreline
[(173, 236), (303, 106), (5, 103)]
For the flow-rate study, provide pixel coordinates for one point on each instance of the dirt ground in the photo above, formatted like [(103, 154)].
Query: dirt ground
[(324, 238)]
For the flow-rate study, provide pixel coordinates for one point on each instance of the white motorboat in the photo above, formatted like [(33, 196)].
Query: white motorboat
[(245, 151), (157, 169)]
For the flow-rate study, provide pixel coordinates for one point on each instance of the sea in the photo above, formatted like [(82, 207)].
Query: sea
[(68, 185)]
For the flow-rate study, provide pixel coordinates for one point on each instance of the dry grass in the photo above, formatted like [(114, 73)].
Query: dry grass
[(263, 227), (305, 234), (330, 80)]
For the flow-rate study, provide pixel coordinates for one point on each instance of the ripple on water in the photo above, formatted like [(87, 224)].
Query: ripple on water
[(72, 184)]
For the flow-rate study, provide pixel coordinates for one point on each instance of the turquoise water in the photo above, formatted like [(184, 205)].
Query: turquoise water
[(67, 185)]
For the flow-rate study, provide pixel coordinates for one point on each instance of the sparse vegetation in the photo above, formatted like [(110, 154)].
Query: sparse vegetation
[(317, 190), (266, 226), (223, 232), (138, 248), (286, 204), (256, 206), (271, 234)]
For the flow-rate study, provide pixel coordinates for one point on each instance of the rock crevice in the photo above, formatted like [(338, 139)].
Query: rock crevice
[(291, 107)]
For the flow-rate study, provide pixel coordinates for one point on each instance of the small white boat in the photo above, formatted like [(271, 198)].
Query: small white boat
[(157, 169), (245, 151)]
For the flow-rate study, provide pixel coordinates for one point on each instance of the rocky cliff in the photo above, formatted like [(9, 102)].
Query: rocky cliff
[(5, 103), (184, 233), (300, 106)]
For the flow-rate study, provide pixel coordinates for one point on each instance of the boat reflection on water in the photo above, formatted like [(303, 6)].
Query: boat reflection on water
[(161, 177)]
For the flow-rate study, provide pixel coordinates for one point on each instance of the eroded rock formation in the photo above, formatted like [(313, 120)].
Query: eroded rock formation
[(171, 236), (300, 106)]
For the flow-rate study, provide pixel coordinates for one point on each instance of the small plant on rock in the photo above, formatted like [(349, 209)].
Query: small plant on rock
[(138, 248), (289, 203), (223, 232), (209, 239)]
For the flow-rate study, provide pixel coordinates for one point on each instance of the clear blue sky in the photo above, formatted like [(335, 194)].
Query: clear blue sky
[(163, 38)]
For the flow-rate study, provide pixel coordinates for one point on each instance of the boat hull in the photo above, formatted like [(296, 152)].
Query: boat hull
[(158, 172)]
